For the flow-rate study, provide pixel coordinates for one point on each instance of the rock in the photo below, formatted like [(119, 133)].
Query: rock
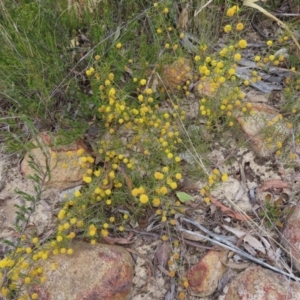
[(204, 277), (177, 73), (261, 284), (92, 272), (291, 237), (258, 130), (41, 218), (63, 161), (233, 190), (254, 96)]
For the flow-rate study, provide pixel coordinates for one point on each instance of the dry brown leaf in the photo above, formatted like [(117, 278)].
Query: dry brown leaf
[(230, 212), (163, 270), (127, 179), (273, 183), (255, 243), (237, 232), (183, 19), (162, 253), (128, 70)]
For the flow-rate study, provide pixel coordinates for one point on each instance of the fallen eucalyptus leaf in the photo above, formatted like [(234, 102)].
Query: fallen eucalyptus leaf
[(255, 243), (237, 232)]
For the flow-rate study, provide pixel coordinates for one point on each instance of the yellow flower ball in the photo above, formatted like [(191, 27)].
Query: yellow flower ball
[(164, 238), (144, 198), (170, 155), (173, 185), (148, 91), (242, 44), (230, 12), (104, 232), (231, 71), (59, 238), (77, 194), (227, 28), (237, 56), (257, 58), (156, 202), (163, 190), (158, 175), (35, 240), (87, 179), (271, 57), (224, 177), (119, 46), (34, 296), (239, 26), (235, 8), (143, 82), (178, 176)]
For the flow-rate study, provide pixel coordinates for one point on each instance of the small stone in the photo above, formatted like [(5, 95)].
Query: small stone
[(204, 277), (254, 96)]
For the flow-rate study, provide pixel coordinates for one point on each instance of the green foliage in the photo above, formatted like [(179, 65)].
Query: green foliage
[(66, 68)]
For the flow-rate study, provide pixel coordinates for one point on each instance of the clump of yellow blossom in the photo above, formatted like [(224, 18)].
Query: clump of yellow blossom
[(242, 44), (144, 198), (224, 177), (239, 26), (227, 28)]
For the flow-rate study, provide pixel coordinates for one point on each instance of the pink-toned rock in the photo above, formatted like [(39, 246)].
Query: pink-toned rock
[(63, 161), (257, 129), (92, 272), (291, 237), (204, 277), (257, 283)]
